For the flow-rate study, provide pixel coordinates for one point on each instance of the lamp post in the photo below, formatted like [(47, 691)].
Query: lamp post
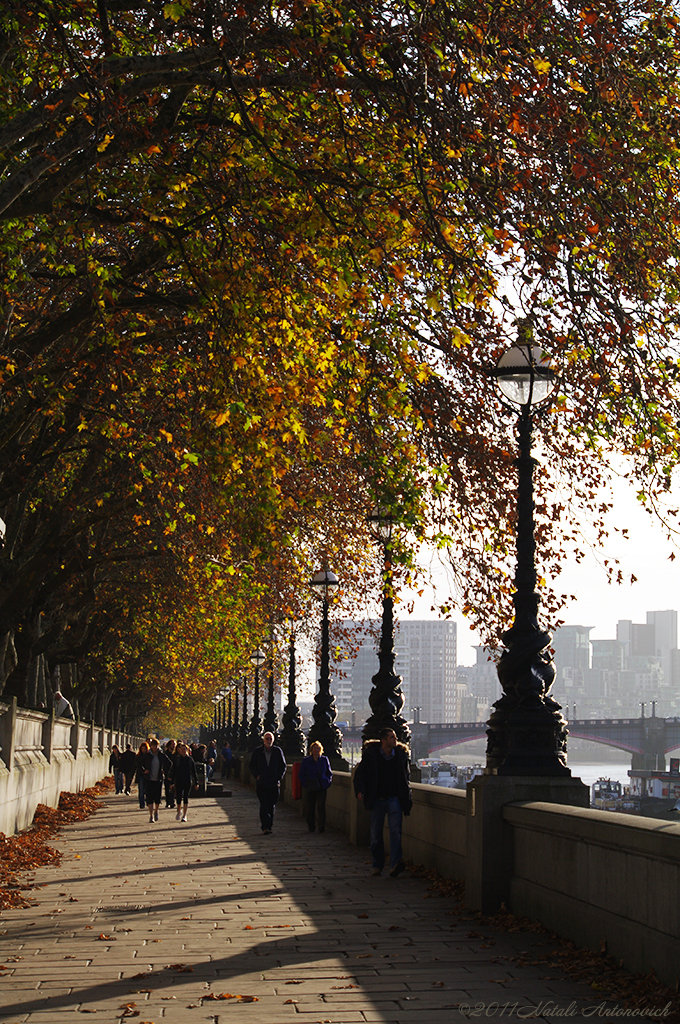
[(527, 734), (230, 718), (386, 698), (257, 659), (324, 711), (292, 739), (243, 733), (271, 722)]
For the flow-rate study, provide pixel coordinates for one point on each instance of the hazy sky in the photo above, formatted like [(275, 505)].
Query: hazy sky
[(645, 555)]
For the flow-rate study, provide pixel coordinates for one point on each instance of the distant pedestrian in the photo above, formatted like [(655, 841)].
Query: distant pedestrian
[(169, 782), (128, 763), (155, 763), (115, 767), (268, 765), (227, 761), (62, 707), (381, 780), (211, 758), (184, 768), (139, 772), (315, 778)]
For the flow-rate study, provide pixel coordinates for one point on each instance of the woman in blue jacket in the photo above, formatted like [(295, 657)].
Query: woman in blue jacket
[(315, 778)]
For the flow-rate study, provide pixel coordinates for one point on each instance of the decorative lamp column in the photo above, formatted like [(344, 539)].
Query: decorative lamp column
[(386, 698), (257, 659), (233, 732), (292, 738), (527, 734), (243, 733), (324, 711), (271, 721)]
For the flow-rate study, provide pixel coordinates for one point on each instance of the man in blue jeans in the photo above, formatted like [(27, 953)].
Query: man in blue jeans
[(381, 781)]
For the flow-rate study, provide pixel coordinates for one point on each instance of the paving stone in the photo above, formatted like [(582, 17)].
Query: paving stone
[(212, 907)]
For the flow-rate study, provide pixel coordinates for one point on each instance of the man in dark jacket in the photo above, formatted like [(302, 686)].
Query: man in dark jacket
[(381, 781), (268, 765), (127, 765)]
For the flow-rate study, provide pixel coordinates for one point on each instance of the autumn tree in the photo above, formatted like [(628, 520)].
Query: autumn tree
[(258, 260)]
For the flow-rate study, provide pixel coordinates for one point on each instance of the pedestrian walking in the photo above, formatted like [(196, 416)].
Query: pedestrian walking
[(128, 764), (184, 770), (381, 781), (315, 778), (155, 764), (169, 782), (115, 767), (227, 761), (139, 772), (268, 765), (211, 759)]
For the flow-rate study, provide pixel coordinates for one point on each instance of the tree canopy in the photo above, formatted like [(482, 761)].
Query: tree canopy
[(258, 260)]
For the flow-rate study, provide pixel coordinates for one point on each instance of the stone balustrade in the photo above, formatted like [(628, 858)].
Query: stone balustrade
[(42, 756)]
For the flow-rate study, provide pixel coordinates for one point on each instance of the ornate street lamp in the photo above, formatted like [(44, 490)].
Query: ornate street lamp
[(324, 711), (527, 733), (257, 659), (243, 733), (386, 698), (292, 739), (271, 721)]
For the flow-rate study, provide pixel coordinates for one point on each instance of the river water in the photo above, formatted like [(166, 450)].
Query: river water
[(587, 773)]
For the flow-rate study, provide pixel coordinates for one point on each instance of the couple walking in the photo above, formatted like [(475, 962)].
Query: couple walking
[(268, 765)]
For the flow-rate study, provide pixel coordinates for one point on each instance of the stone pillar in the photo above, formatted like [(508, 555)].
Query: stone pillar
[(489, 846), (359, 819), (48, 735), (8, 733)]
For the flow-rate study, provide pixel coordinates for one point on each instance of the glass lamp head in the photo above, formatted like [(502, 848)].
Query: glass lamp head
[(525, 375), (258, 658), (381, 523), (325, 582)]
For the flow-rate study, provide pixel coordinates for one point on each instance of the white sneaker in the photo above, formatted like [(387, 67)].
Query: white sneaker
[(184, 817), (178, 815)]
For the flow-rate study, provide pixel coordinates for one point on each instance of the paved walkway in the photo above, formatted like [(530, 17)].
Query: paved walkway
[(158, 923)]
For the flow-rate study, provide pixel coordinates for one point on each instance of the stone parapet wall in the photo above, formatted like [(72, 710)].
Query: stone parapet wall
[(602, 879), (42, 756)]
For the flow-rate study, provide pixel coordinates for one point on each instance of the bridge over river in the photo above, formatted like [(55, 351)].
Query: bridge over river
[(647, 739)]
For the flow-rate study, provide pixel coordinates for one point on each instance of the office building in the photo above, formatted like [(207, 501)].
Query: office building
[(425, 659)]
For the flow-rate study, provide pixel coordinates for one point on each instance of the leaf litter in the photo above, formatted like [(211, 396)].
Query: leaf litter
[(602, 972), (23, 853)]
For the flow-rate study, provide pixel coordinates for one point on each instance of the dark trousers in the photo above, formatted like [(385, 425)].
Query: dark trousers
[(268, 797), (392, 808), (169, 793), (316, 804)]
